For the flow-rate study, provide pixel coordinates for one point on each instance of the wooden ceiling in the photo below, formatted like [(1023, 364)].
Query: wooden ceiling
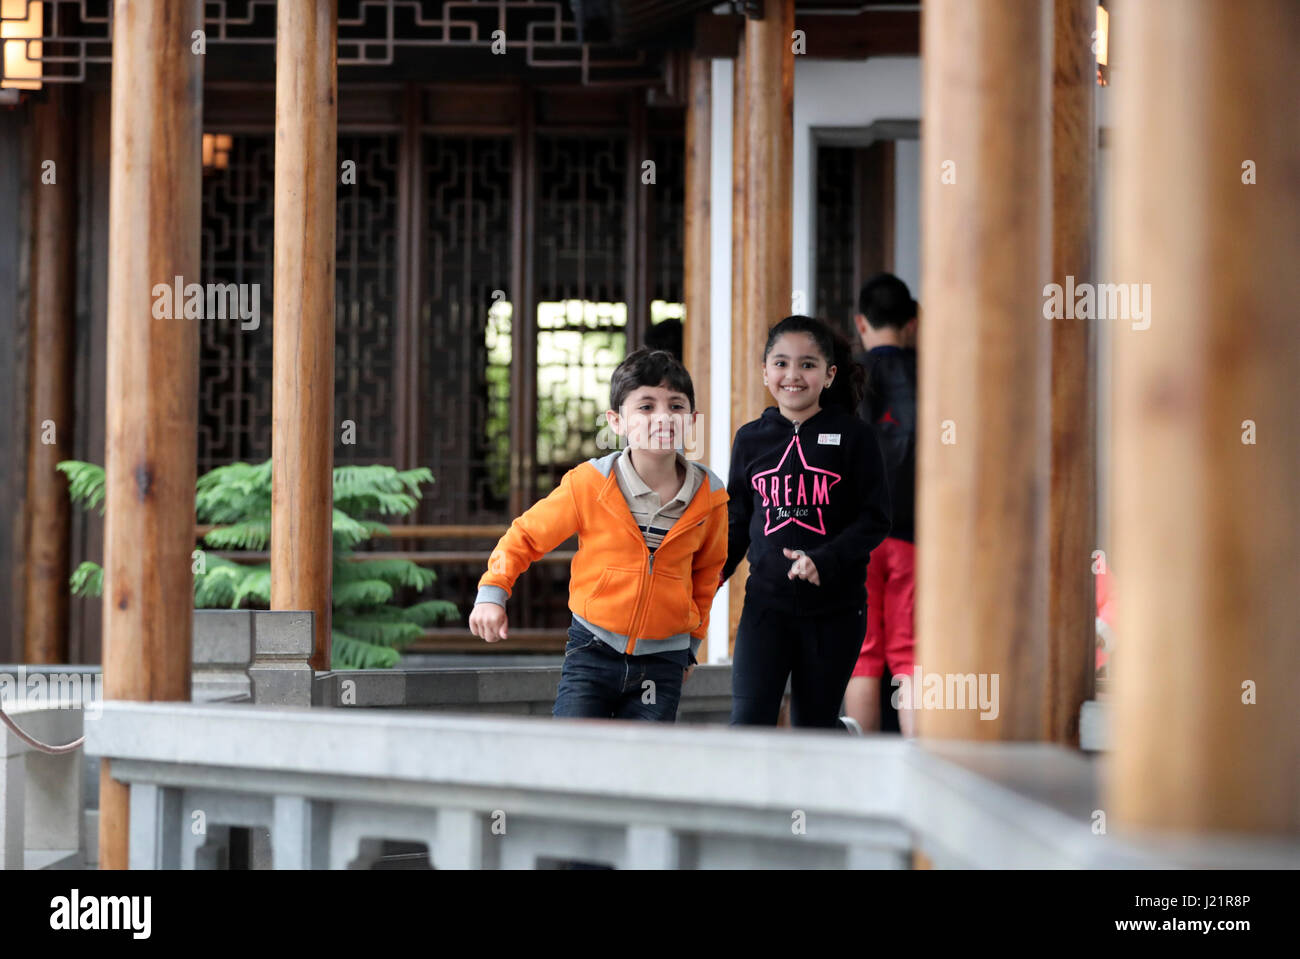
[(841, 29)]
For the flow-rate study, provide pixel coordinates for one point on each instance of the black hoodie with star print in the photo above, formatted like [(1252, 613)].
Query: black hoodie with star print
[(817, 486)]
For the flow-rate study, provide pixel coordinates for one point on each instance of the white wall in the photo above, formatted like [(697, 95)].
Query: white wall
[(838, 93), (907, 214)]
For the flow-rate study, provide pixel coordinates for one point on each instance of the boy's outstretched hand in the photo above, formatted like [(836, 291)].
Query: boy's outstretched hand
[(802, 567), (488, 621)]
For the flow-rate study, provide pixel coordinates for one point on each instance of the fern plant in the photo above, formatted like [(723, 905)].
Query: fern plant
[(369, 629)]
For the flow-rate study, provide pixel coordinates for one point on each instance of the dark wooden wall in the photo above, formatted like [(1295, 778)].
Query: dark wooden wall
[(92, 311), (365, 112), (13, 377)]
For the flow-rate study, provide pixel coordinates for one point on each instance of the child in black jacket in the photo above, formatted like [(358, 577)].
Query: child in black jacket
[(809, 501)]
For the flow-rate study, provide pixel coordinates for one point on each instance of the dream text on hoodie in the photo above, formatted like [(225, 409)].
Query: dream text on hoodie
[(818, 486)]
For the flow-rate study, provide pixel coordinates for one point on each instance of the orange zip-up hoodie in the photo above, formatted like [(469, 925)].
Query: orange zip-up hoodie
[(615, 582)]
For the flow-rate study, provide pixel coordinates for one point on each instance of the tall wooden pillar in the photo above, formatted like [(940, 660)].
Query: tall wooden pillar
[(696, 279), (151, 425), (762, 213), (983, 432), (50, 375), (1073, 514), (740, 339), (1207, 389), (302, 398)]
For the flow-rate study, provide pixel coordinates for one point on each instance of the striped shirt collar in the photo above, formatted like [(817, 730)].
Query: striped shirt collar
[(637, 487)]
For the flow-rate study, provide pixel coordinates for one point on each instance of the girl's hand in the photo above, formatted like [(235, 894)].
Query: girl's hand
[(802, 567)]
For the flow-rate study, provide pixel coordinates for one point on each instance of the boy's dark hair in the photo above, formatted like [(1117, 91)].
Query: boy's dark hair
[(647, 367), (885, 301), (846, 389), (666, 335)]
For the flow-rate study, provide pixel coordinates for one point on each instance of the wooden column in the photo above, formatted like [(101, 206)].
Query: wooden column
[(50, 375), (768, 122), (152, 370), (696, 335), (739, 330), (762, 214), (1207, 521), (302, 399), (1073, 515), (983, 432)]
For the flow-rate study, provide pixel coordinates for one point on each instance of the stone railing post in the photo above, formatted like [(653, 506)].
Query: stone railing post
[(281, 672)]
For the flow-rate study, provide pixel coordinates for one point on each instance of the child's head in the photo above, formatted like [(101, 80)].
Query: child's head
[(652, 400), (886, 311), (808, 366)]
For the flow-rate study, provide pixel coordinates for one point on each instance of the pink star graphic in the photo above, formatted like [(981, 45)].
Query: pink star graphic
[(768, 528)]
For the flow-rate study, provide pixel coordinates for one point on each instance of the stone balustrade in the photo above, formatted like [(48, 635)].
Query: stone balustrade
[(239, 655), (331, 785), (42, 796)]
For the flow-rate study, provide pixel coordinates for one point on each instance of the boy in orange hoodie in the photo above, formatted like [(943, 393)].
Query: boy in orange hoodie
[(652, 539)]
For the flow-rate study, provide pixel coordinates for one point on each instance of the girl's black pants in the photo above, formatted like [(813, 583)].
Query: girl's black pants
[(816, 653)]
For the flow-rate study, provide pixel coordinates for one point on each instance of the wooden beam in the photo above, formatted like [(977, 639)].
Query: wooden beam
[(1071, 656), (50, 374), (1207, 385), (152, 371), (718, 35), (697, 280), (859, 36), (302, 399), (983, 431), (849, 36)]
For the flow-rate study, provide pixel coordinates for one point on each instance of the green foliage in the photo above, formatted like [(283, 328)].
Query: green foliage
[(252, 534), (395, 572), (357, 489), (349, 653), (85, 483), (431, 612), (218, 587), (238, 492), (87, 580), (369, 630)]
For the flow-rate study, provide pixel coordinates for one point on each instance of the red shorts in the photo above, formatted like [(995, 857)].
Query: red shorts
[(891, 593)]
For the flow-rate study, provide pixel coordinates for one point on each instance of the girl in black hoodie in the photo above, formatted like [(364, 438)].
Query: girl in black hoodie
[(809, 502)]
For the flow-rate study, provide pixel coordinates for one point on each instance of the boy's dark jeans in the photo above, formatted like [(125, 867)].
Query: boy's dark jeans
[(598, 682)]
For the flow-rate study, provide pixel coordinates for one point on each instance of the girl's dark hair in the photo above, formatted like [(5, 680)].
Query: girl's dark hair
[(850, 378)]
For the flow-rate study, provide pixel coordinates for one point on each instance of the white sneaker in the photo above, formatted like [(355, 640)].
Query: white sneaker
[(852, 725)]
